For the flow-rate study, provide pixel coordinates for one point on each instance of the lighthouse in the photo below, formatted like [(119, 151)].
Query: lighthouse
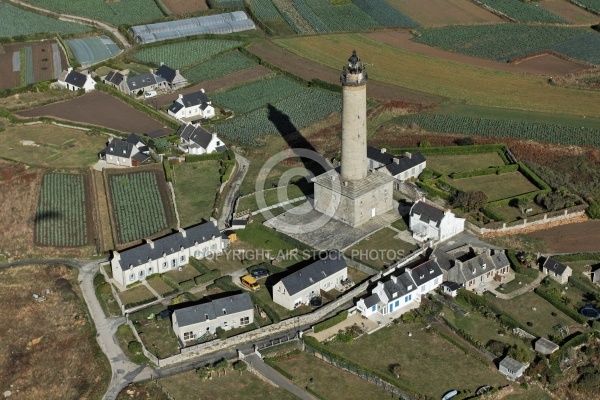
[(353, 194)]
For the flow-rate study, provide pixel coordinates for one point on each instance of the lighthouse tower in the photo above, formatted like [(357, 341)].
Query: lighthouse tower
[(354, 195), (354, 120)]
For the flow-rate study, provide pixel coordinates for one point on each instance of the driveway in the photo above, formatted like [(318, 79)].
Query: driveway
[(265, 370), (229, 203)]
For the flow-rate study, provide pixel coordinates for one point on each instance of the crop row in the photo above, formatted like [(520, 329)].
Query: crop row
[(226, 3), (218, 66), (385, 14), (264, 10), (524, 11), (499, 42), (114, 12), (137, 205), (16, 22), (591, 4), (182, 54), (257, 94), (561, 134), (326, 17), (60, 218), (286, 116)]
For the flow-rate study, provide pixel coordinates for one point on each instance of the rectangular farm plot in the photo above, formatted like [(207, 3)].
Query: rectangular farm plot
[(63, 217), (463, 162), (16, 22), (139, 208), (218, 66), (91, 50), (496, 186), (430, 13)]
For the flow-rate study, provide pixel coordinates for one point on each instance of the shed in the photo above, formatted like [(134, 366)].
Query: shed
[(512, 368), (545, 346), (450, 288)]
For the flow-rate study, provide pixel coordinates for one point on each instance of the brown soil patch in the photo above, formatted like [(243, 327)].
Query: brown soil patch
[(430, 13), (569, 11), (551, 67), (185, 6), (43, 66), (101, 109), (216, 84), (49, 348), (571, 238), (308, 70)]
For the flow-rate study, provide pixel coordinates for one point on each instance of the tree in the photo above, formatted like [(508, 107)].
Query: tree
[(522, 203), (240, 366), (593, 211), (134, 347), (464, 141), (520, 353), (471, 200), (395, 369), (424, 143)]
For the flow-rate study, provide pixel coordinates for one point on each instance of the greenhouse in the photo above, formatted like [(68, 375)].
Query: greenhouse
[(236, 21)]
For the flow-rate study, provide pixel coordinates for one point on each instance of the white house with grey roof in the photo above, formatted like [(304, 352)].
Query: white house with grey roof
[(74, 81), (197, 140), (556, 270), (299, 287), (202, 320), (172, 76), (401, 289), (512, 368), (402, 168), (166, 253), (192, 105), (130, 152), (430, 222)]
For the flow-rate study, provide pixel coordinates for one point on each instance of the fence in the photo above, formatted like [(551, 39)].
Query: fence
[(388, 387), (361, 267)]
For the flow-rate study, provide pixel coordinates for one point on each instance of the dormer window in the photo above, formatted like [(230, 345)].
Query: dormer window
[(206, 316), (224, 312), (409, 287)]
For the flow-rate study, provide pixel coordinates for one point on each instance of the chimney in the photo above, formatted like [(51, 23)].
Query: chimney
[(69, 69), (202, 90), (162, 63), (177, 72), (180, 96), (214, 135), (150, 242), (383, 150), (407, 154), (396, 160), (488, 251), (183, 232)]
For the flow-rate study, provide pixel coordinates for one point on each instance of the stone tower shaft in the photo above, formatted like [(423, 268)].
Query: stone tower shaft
[(354, 120)]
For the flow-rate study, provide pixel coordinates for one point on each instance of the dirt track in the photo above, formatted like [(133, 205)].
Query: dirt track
[(101, 109), (307, 69), (542, 65)]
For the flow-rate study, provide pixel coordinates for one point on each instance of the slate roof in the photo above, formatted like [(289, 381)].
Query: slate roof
[(511, 364), (405, 163), (195, 134), (402, 286), (371, 300), (427, 212), (175, 107), (76, 78), (141, 81), (478, 265), (443, 259), (214, 309), (167, 73), (451, 285), (169, 244), (426, 272), (375, 154), (313, 273), (194, 99), (114, 77), (119, 148), (554, 266)]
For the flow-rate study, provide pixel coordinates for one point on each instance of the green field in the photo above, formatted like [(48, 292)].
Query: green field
[(138, 208), (16, 22), (53, 146), (196, 185), (496, 186), (136, 294), (157, 335), (446, 78), (219, 66), (113, 12), (271, 198), (182, 54), (524, 12), (160, 286), (453, 369), (61, 218), (380, 249), (463, 162)]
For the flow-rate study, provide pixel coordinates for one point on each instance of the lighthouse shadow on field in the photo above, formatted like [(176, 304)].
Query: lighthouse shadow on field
[(295, 140)]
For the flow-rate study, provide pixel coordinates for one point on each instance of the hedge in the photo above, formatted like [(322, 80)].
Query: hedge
[(187, 285), (507, 168), (198, 266), (325, 85), (491, 214), (536, 180), (452, 150), (169, 281), (475, 172), (558, 304), (138, 303), (575, 341), (224, 283), (168, 171), (577, 257), (206, 157), (581, 284), (207, 277), (514, 262), (434, 192), (321, 326), (266, 308)]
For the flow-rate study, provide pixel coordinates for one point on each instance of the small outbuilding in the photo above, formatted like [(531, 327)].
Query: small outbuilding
[(450, 288), (512, 368), (556, 270), (545, 346), (73, 80)]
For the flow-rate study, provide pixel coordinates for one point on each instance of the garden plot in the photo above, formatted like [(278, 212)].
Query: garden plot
[(524, 12), (496, 187), (449, 163), (18, 22), (63, 217), (218, 66), (430, 13), (92, 50)]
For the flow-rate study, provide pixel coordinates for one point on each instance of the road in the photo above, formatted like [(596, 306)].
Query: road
[(229, 202), (81, 20), (265, 370)]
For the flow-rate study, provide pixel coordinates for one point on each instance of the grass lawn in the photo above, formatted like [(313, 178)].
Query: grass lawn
[(511, 213), (517, 283), (400, 224), (496, 186), (196, 185), (533, 392), (271, 197), (187, 272), (142, 390), (463, 162), (136, 294), (392, 345), (284, 313), (356, 275), (236, 386), (580, 266), (160, 286), (380, 249), (521, 309), (124, 337), (105, 296), (157, 335), (329, 381), (51, 146)]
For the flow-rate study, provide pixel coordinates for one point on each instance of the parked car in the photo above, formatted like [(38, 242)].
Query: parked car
[(250, 282), (150, 93), (260, 273), (450, 394)]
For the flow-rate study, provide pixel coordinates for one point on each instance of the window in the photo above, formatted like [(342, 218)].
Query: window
[(188, 335), (373, 308), (436, 281), (131, 277), (397, 303), (164, 265), (224, 324), (224, 312), (422, 288), (244, 320), (197, 254), (408, 298), (173, 263), (214, 247), (141, 274), (150, 271), (182, 259)]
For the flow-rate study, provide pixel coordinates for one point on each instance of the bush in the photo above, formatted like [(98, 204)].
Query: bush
[(134, 347), (465, 141), (593, 210), (273, 316), (198, 266), (168, 171), (209, 276), (491, 214), (99, 279), (220, 364), (169, 281), (240, 366), (331, 322), (206, 157), (221, 334), (224, 283), (187, 285)]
